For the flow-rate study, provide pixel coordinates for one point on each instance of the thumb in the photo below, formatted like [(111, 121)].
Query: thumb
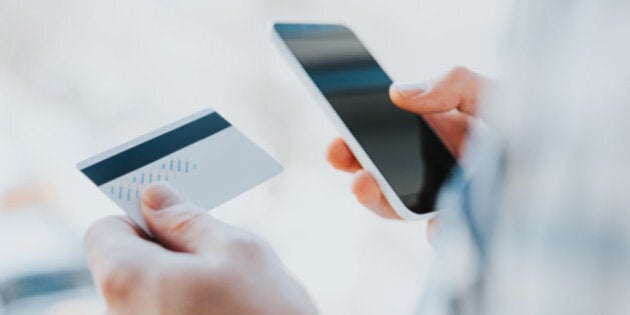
[(459, 89), (404, 91), (409, 95), (424, 99), (175, 223)]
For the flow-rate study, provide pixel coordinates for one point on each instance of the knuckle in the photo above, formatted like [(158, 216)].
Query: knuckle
[(443, 97), (364, 198), (332, 155), (118, 283), (246, 246), (458, 71), (183, 218), (360, 193)]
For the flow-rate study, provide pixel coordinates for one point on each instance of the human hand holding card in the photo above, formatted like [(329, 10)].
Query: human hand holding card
[(203, 156)]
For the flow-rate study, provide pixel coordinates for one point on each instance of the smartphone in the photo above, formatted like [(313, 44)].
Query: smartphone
[(401, 151)]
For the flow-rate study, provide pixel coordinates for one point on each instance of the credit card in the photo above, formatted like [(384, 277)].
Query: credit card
[(203, 156)]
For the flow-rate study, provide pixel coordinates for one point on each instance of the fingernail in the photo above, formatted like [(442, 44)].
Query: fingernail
[(160, 196), (410, 89)]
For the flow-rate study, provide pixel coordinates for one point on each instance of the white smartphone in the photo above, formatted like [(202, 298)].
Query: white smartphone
[(401, 151)]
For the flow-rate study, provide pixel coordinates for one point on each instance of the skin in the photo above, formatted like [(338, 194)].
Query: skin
[(196, 264), (448, 107)]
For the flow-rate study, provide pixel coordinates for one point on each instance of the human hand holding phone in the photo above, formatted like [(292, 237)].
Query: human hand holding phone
[(448, 106)]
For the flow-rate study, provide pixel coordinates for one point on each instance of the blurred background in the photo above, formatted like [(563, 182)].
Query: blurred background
[(80, 76)]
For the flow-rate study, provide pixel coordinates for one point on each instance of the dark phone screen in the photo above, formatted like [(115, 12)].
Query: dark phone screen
[(413, 160)]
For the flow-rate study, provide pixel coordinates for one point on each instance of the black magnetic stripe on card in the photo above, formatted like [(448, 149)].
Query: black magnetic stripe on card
[(155, 149)]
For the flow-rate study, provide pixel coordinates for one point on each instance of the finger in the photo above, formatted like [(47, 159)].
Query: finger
[(452, 128), (116, 245), (176, 223), (459, 90), (340, 156), (369, 194)]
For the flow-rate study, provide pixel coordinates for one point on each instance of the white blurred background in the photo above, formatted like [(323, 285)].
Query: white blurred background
[(80, 76)]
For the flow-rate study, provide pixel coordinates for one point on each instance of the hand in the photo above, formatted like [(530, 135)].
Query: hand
[(194, 265), (448, 107)]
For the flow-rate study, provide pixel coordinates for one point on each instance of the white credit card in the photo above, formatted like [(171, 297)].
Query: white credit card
[(203, 156)]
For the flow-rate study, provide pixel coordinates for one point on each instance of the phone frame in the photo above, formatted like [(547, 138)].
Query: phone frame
[(346, 134)]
